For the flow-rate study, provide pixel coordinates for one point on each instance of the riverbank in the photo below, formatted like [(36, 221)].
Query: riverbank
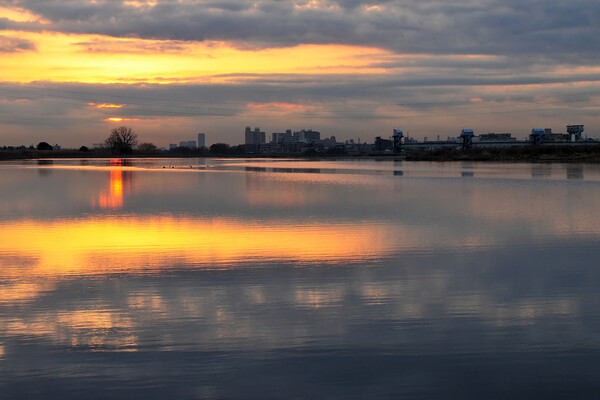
[(537, 154), (586, 153), (33, 154)]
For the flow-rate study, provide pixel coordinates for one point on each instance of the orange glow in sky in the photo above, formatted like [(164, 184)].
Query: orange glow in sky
[(18, 15), (280, 107), (105, 105), (119, 119), (101, 59)]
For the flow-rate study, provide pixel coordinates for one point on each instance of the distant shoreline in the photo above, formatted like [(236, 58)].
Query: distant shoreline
[(8, 155), (532, 154)]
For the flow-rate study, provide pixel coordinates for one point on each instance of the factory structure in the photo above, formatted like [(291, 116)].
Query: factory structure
[(288, 141), (468, 139)]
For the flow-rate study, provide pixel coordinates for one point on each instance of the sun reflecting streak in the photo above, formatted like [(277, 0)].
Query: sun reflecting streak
[(146, 244), (113, 199)]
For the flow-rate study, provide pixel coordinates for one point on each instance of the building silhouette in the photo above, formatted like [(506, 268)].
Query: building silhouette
[(254, 137)]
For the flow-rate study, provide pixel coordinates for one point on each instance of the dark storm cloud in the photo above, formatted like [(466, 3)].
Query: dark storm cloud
[(558, 30), (15, 45)]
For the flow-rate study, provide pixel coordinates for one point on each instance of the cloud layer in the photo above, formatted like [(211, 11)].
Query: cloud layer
[(556, 30)]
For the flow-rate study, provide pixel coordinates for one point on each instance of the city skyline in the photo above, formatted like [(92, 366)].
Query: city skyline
[(73, 71)]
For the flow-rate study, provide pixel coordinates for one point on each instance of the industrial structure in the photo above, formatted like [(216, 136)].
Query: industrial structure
[(398, 135), (303, 140), (467, 138)]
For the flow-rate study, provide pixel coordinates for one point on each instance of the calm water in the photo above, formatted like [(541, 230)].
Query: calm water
[(254, 279)]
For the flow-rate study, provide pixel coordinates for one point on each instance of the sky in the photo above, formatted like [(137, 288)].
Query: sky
[(71, 70)]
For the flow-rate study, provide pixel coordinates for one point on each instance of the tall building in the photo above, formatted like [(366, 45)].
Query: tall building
[(201, 140), (312, 136), (307, 136), (255, 137), (282, 137)]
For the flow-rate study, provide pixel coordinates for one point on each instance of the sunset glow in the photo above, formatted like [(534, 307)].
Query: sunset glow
[(338, 199), (218, 67), (104, 105), (119, 119), (100, 59)]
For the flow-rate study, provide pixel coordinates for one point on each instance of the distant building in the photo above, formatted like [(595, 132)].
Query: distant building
[(282, 137), (307, 136), (172, 146), (190, 144), (331, 142), (383, 144), (254, 137), (550, 136), (201, 140), (312, 136)]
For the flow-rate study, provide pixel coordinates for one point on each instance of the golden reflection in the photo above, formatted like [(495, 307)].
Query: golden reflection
[(316, 298), (92, 319), (95, 329), (11, 293), (139, 244), (150, 303), (120, 184)]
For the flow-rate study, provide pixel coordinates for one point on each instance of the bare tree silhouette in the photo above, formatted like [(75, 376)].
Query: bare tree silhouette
[(121, 140)]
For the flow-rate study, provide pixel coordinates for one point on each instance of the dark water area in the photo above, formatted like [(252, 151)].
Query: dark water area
[(227, 279)]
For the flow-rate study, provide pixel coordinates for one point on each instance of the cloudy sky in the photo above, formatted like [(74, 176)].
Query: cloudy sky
[(71, 70)]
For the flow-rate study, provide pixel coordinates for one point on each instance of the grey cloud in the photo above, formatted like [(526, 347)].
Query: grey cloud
[(131, 46), (341, 96), (15, 45), (229, 5), (532, 28)]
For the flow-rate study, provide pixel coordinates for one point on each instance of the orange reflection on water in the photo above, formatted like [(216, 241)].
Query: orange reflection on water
[(139, 244), (94, 329), (120, 183), (11, 293)]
